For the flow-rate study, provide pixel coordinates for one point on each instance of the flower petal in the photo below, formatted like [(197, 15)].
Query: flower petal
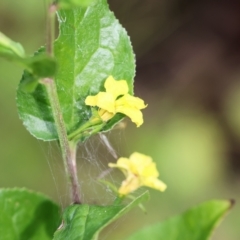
[(140, 159), (154, 183), (91, 101), (145, 166), (116, 88), (139, 170), (123, 164), (105, 115), (130, 106), (129, 185), (134, 114), (103, 100), (131, 101), (150, 170), (110, 104)]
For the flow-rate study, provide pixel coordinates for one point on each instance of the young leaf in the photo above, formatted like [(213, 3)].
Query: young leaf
[(29, 82), (38, 66), (27, 215), (84, 222), (195, 224), (91, 46), (41, 65), (10, 49)]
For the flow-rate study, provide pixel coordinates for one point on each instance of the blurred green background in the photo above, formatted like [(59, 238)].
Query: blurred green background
[(188, 57)]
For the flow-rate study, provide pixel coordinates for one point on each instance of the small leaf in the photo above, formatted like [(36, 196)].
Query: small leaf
[(27, 215), (91, 46), (38, 66), (84, 222), (195, 224), (28, 83), (41, 65), (10, 49), (75, 3), (37, 107)]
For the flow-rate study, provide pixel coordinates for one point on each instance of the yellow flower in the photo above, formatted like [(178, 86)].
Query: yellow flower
[(117, 100), (139, 170)]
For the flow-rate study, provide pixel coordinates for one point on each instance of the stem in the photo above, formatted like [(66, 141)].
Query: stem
[(68, 148), (86, 127), (51, 28)]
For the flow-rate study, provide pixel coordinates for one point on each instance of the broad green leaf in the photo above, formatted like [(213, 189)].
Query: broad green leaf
[(26, 215), (91, 46), (84, 222), (75, 3), (10, 49), (195, 224)]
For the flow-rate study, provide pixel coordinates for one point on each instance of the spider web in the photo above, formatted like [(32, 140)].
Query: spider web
[(93, 157)]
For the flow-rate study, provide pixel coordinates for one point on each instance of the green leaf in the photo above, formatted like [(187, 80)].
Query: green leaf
[(84, 222), (41, 65), (195, 224), (38, 66), (28, 83), (10, 49), (36, 108), (91, 46), (26, 215), (75, 3)]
